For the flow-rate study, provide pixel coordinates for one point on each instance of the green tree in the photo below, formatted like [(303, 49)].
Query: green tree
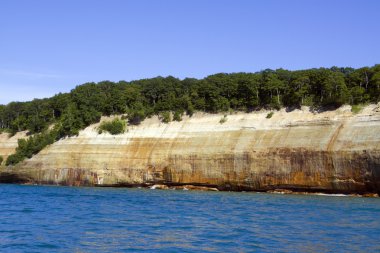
[(166, 117), (275, 87), (335, 89), (177, 116), (247, 90), (357, 95), (374, 89), (71, 121), (298, 91)]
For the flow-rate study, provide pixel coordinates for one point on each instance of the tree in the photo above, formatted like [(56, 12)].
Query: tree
[(247, 90), (166, 117), (335, 89), (227, 88), (275, 87), (357, 95), (177, 116), (298, 91), (374, 89), (71, 122)]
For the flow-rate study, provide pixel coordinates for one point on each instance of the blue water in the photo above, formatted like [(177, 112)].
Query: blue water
[(69, 219)]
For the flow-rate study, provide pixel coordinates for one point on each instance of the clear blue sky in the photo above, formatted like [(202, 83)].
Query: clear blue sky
[(49, 46)]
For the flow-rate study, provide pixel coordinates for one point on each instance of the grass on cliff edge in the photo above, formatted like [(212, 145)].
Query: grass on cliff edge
[(269, 115), (357, 108), (223, 119), (114, 127)]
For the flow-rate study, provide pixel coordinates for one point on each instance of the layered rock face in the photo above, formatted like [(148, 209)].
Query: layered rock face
[(332, 151), (8, 144)]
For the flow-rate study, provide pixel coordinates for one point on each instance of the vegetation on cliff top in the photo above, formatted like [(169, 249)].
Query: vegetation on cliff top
[(271, 89), (114, 127)]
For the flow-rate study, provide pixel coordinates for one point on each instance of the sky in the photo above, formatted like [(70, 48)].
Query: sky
[(47, 47)]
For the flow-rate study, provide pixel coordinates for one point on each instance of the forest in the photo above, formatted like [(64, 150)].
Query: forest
[(65, 114)]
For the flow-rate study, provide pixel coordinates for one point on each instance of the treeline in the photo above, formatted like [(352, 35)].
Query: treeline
[(271, 89)]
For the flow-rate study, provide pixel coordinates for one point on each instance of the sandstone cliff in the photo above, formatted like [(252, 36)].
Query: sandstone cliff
[(332, 151), (9, 144)]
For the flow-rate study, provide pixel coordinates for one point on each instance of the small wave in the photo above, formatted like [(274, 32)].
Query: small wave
[(27, 210), (332, 195)]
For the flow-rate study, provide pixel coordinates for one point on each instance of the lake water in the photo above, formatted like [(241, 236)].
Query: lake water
[(70, 219)]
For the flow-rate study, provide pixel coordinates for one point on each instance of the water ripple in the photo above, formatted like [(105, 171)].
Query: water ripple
[(64, 219)]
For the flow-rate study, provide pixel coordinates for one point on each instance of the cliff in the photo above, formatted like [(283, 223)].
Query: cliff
[(332, 151), (8, 144)]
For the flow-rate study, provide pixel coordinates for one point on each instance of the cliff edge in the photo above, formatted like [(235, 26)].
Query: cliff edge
[(332, 151)]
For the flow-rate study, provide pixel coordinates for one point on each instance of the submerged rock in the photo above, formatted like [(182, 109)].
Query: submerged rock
[(159, 187), (371, 195), (194, 188), (281, 191)]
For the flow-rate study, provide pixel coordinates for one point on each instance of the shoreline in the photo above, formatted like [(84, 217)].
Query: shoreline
[(194, 187)]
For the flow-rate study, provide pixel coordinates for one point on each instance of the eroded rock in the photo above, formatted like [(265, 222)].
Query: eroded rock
[(302, 151)]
